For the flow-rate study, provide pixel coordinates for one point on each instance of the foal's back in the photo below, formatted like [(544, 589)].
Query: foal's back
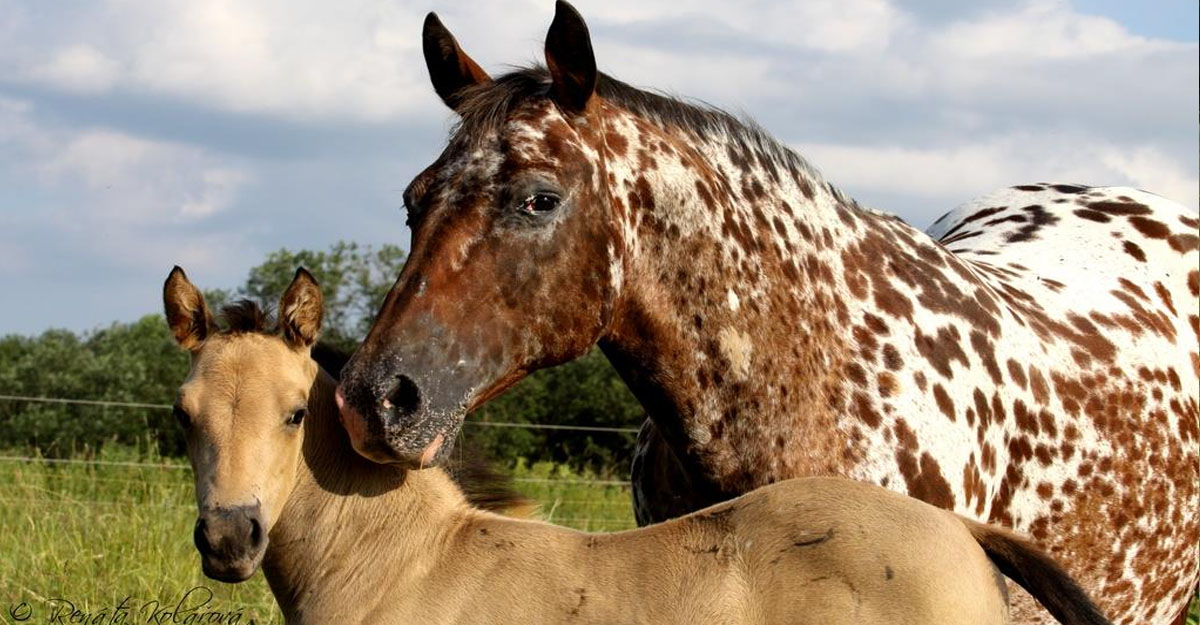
[(814, 551), (826, 550)]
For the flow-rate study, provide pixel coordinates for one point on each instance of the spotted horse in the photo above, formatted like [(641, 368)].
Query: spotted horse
[(1031, 360)]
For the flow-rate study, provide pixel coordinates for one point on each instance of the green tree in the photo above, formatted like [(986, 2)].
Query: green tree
[(585, 392), (354, 280), (130, 362), (139, 362)]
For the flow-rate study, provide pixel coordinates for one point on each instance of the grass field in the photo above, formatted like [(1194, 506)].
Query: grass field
[(94, 535), (89, 537)]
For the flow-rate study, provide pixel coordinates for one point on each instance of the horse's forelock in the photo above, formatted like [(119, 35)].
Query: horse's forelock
[(487, 106), (245, 316)]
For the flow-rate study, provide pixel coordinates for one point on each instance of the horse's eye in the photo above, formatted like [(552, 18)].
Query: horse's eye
[(540, 203), (297, 417), (410, 212), (182, 417)]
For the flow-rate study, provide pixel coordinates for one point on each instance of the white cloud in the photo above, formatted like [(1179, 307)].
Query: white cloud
[(134, 180), (1041, 29), (79, 69), (303, 60), (217, 193), (839, 26), (362, 59), (938, 178), (107, 198), (918, 111), (1150, 169)]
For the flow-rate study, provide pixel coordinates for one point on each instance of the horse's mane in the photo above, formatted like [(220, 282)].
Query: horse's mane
[(331, 358), (485, 487), (485, 107), (245, 316)]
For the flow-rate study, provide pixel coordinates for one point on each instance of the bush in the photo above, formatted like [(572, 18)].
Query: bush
[(139, 362), (134, 362), (585, 392)]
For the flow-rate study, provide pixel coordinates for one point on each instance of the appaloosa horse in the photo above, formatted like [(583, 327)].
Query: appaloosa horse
[(1032, 361)]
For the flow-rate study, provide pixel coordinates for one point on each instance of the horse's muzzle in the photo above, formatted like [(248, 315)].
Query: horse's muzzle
[(231, 541), (398, 418)]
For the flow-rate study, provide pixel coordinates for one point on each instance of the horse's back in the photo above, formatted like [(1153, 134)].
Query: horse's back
[(1068, 235), (1122, 259)]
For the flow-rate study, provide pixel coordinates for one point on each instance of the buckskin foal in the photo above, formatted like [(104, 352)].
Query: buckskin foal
[(345, 540), (1033, 362)]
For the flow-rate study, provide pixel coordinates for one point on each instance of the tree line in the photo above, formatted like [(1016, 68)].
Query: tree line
[(139, 362)]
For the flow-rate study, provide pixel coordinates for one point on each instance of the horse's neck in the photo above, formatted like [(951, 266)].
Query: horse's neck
[(729, 292), (350, 519)]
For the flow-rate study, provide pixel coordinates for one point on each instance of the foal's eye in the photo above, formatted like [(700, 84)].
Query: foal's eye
[(540, 203), (182, 417), (297, 417)]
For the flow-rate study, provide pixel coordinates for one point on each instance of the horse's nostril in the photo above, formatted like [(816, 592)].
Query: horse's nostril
[(256, 535), (405, 396), (200, 537)]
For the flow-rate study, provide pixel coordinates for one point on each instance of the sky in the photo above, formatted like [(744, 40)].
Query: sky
[(139, 135)]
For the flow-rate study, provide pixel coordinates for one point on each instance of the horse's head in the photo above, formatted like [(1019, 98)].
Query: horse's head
[(516, 257), (241, 408)]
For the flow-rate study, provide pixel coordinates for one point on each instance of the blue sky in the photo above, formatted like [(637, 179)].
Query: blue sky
[(1168, 19), (138, 135)]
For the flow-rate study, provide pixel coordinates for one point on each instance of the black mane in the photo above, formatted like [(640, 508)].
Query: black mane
[(330, 358), (485, 107), (244, 316)]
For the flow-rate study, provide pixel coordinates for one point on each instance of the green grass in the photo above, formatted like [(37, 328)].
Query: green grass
[(94, 534)]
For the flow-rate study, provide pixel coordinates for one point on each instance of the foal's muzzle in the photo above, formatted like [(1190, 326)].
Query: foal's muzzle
[(231, 541)]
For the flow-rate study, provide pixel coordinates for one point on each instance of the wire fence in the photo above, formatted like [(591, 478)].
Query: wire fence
[(51, 483), (582, 502), (185, 467), (130, 404), (577, 501)]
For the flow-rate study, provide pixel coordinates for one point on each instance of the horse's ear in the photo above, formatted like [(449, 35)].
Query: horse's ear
[(300, 310), (187, 314), (450, 69), (570, 59)]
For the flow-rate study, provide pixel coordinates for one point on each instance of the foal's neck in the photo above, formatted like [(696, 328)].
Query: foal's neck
[(348, 520)]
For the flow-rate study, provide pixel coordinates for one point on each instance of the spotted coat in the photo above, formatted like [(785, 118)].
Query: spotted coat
[(1032, 360)]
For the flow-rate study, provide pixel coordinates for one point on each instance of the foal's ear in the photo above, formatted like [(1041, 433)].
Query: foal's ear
[(570, 59), (450, 69), (187, 314), (300, 310)]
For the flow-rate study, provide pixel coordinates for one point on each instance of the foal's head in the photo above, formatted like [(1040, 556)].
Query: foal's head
[(241, 408), (517, 254)]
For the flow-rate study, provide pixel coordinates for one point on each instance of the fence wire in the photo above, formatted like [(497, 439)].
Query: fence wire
[(566, 481), (495, 424)]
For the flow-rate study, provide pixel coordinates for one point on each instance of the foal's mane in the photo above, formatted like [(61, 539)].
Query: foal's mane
[(245, 317), (486, 106), (482, 484)]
